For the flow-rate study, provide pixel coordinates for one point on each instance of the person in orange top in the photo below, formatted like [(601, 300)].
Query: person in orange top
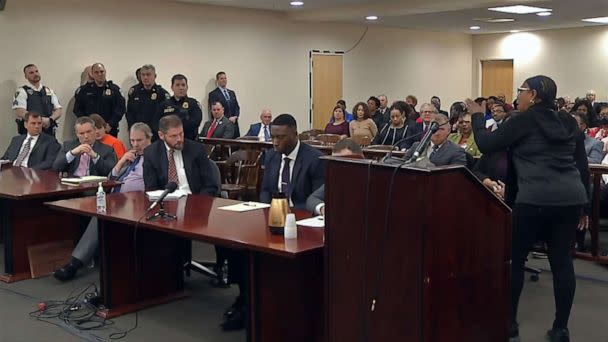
[(107, 139)]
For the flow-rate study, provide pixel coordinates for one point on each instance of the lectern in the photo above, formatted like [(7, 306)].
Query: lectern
[(414, 255)]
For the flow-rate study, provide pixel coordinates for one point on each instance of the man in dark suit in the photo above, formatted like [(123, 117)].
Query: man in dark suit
[(228, 100), (293, 168), (441, 151), (129, 172), (175, 159), (344, 148), (220, 126), (34, 149), (436, 101), (261, 129), (84, 155)]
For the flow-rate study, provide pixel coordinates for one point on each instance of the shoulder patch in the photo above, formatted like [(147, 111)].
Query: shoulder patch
[(167, 96), (131, 90), (78, 90), (17, 94)]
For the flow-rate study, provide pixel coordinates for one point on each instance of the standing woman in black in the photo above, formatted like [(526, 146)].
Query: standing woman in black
[(547, 183)]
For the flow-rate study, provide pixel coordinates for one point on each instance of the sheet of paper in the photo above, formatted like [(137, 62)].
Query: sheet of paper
[(85, 179), (245, 206), (154, 195), (315, 222)]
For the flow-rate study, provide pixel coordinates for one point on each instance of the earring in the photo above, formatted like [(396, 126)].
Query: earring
[(531, 101)]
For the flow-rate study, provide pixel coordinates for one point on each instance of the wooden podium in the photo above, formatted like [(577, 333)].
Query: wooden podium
[(426, 259)]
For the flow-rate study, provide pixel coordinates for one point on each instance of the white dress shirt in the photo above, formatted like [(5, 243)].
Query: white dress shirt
[(261, 136), (181, 171), (292, 156), (32, 144)]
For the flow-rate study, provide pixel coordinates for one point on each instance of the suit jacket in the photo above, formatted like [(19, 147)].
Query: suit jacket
[(224, 129), (197, 165), (448, 154), (107, 159), (471, 147), (315, 199), (41, 156), (254, 129), (413, 134), (231, 108), (594, 149), (307, 176)]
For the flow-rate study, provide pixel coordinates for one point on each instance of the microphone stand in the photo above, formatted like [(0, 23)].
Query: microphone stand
[(161, 214)]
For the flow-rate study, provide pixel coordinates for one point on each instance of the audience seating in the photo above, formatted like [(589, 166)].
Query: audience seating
[(328, 139)]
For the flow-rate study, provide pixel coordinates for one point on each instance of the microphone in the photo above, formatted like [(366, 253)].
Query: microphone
[(389, 155), (424, 142), (171, 186)]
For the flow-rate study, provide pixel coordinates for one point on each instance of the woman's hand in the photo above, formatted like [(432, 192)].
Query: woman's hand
[(583, 223), (473, 107)]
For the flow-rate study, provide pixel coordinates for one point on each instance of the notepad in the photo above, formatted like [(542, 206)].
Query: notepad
[(314, 222), (84, 179), (154, 195), (245, 206)]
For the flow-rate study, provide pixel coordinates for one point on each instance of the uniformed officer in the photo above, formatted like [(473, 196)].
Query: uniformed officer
[(187, 108), (34, 97), (101, 97), (146, 100)]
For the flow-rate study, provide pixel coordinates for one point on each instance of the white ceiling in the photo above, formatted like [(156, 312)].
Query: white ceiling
[(433, 15)]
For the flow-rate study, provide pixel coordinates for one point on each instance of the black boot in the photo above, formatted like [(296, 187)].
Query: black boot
[(68, 271), (558, 335), (514, 332)]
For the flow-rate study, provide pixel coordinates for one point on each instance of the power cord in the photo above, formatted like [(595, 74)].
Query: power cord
[(123, 334)]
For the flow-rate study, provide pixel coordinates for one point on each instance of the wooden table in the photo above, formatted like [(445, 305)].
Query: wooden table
[(142, 267), (25, 221)]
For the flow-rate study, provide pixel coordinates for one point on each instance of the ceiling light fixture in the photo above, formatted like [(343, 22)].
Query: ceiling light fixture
[(296, 3), (474, 27), (544, 14), (515, 31), (598, 20), (519, 9), (371, 17)]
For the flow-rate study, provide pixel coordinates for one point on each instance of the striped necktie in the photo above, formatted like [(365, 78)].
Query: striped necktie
[(24, 153)]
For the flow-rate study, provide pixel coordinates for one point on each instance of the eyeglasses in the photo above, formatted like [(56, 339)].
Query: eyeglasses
[(521, 90)]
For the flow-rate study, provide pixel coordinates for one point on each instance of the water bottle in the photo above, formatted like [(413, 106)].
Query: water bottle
[(101, 200)]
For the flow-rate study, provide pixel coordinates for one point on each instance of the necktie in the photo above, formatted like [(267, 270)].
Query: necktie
[(83, 165), (226, 94), (24, 153), (435, 148), (285, 178), (124, 175), (172, 169), (266, 133), (212, 129)]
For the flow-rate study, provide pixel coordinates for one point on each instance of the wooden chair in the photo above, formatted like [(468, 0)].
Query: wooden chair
[(313, 142), (328, 139), (362, 140), (242, 178)]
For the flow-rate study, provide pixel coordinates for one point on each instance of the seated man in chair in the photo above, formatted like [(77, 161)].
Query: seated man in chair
[(129, 171)]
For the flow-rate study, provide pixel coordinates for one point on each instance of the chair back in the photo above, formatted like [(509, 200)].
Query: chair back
[(328, 139), (362, 140)]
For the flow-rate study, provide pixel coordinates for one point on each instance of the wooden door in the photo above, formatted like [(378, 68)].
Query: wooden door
[(497, 78), (326, 82)]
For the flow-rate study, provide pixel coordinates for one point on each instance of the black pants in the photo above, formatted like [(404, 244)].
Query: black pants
[(557, 225)]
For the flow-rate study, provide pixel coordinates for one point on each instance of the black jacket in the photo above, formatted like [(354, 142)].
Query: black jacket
[(42, 155), (547, 159)]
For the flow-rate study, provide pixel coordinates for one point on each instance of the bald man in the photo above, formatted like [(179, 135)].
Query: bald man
[(261, 129)]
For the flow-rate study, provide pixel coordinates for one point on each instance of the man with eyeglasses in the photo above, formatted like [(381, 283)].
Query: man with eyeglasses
[(499, 113)]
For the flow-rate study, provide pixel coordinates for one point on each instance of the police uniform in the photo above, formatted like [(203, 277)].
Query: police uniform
[(105, 101), (189, 110), (41, 100), (145, 105)]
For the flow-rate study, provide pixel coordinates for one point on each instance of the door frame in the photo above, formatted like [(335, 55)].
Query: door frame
[(480, 72), (311, 53)]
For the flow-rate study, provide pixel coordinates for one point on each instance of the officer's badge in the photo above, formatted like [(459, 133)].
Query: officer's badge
[(108, 92), (30, 92), (153, 97), (185, 105)]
